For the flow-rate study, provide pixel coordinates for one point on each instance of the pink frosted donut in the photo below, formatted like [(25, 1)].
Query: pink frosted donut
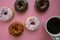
[(5, 14), (32, 23)]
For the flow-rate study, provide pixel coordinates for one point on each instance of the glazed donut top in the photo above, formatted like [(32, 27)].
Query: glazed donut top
[(21, 5), (5, 13), (42, 5)]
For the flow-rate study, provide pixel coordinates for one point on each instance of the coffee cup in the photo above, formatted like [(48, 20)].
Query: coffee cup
[(52, 26)]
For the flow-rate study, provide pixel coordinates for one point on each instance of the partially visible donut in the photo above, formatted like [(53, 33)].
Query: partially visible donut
[(6, 14), (41, 5), (16, 29), (21, 5), (32, 23)]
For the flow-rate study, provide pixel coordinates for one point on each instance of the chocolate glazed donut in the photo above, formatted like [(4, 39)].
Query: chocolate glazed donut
[(21, 5), (41, 5)]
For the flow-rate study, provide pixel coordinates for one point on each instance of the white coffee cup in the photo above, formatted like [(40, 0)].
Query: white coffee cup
[(54, 36)]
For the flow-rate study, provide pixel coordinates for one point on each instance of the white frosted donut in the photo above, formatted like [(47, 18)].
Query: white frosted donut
[(32, 23), (5, 14)]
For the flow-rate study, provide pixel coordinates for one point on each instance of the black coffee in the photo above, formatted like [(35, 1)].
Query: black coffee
[(53, 25)]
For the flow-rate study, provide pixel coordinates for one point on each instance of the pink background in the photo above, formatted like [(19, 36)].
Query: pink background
[(40, 34)]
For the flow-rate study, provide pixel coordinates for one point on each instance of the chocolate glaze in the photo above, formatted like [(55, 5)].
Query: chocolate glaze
[(41, 5)]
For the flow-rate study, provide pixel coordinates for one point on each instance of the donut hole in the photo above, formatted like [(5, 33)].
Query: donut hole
[(32, 23), (20, 3), (40, 3), (5, 13)]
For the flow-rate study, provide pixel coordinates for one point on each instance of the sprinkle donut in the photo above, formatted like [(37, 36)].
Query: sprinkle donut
[(32, 23), (16, 29), (6, 14)]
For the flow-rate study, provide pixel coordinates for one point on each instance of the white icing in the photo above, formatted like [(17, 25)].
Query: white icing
[(45, 4), (29, 26), (5, 17)]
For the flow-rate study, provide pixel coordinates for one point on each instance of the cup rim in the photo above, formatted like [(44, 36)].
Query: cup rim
[(46, 26)]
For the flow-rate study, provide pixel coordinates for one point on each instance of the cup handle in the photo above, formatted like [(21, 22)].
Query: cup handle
[(56, 38)]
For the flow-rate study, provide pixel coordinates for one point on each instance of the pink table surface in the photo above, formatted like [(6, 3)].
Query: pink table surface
[(40, 34)]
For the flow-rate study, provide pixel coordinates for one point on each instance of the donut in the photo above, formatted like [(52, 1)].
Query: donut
[(41, 5), (21, 5), (6, 14), (16, 29), (32, 23)]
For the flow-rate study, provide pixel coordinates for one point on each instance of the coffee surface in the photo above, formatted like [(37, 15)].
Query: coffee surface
[(53, 25)]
